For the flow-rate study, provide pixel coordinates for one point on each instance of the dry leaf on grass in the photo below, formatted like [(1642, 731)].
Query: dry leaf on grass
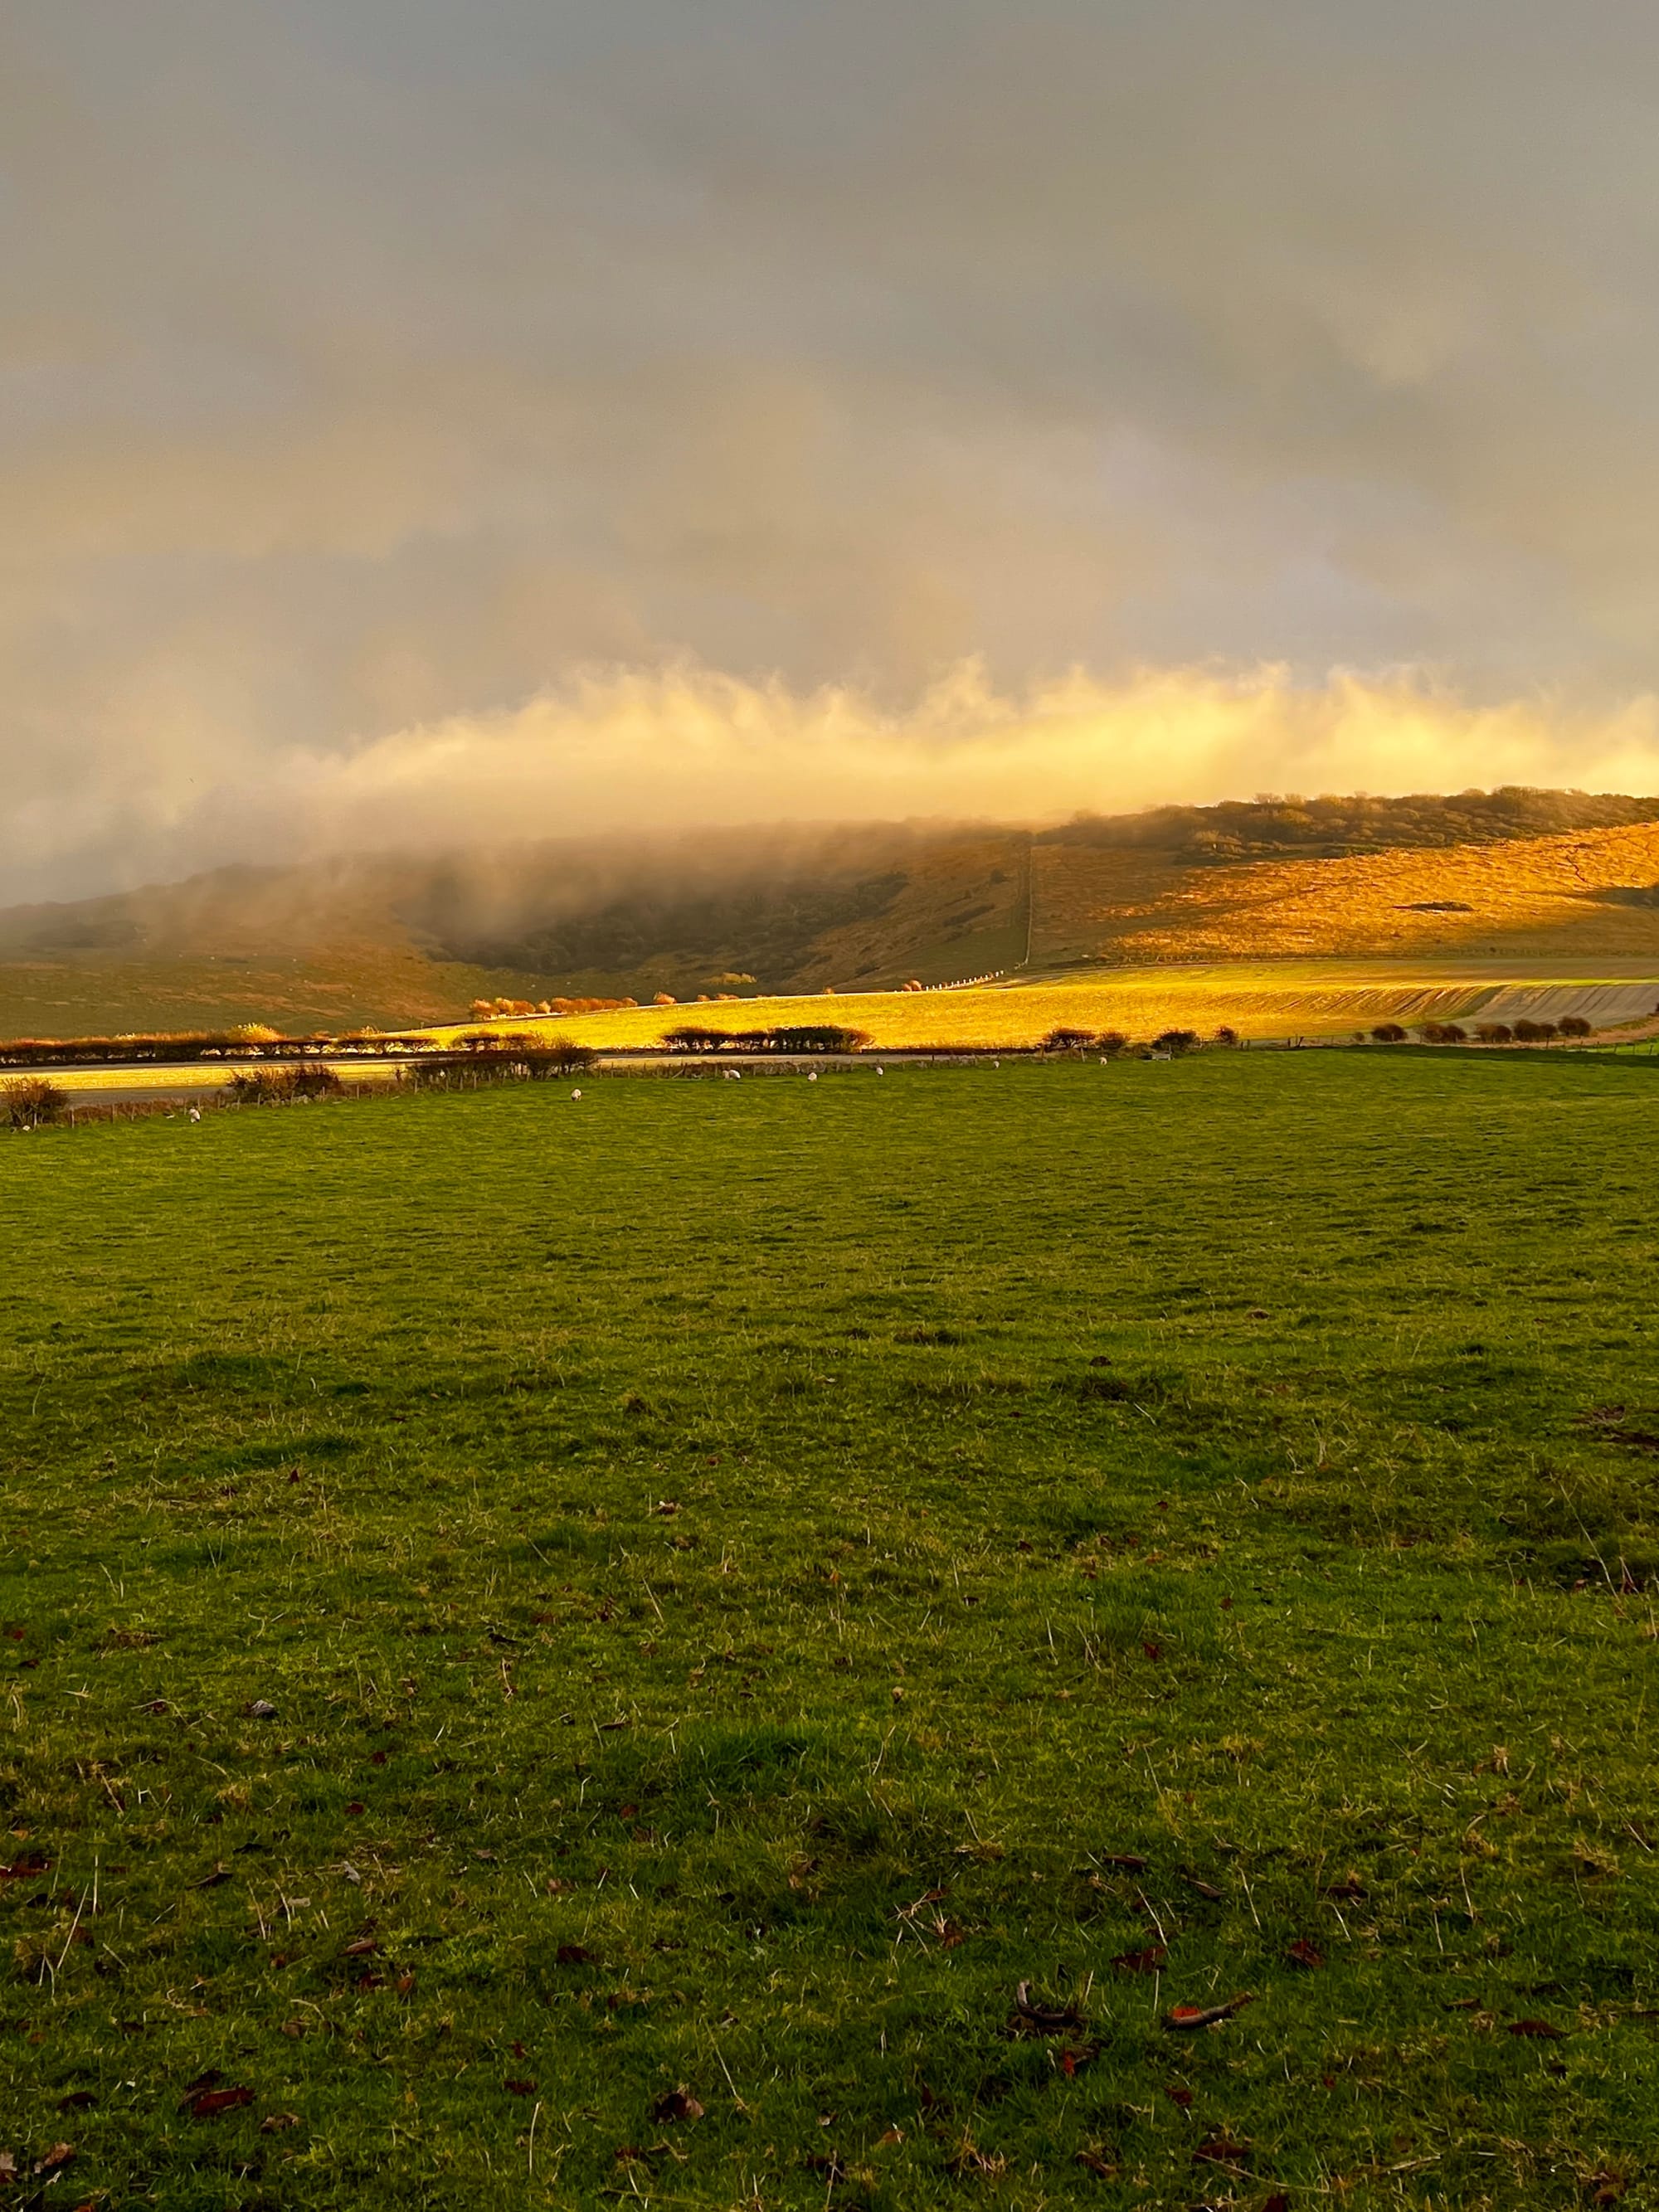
[(1182, 2017), (674, 2105)]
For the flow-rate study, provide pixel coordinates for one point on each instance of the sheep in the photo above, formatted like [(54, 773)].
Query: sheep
[(575, 1094), (811, 1075)]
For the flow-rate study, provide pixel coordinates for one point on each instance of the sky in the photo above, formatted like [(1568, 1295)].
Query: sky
[(420, 420)]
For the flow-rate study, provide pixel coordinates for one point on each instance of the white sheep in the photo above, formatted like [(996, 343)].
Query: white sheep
[(575, 1094)]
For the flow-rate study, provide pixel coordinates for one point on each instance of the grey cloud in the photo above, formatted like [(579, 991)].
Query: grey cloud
[(368, 365)]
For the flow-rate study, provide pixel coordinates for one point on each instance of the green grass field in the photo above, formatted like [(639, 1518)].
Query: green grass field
[(569, 1654)]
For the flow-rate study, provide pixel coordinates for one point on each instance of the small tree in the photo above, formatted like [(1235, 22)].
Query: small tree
[(1389, 1033), (1066, 1040), (1444, 1033), (1573, 1025), (1177, 1042), (1226, 1035), (1530, 1032), (1112, 1044), (1494, 1032), (30, 1102)]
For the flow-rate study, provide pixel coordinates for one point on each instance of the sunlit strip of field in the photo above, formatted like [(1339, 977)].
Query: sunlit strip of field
[(175, 1077), (1260, 1000)]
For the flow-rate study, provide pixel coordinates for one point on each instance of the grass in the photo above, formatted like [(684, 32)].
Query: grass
[(740, 1576)]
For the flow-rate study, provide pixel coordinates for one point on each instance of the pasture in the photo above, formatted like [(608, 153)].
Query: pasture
[(759, 1645)]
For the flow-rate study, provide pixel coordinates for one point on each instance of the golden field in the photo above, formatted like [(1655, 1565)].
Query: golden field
[(1258, 999)]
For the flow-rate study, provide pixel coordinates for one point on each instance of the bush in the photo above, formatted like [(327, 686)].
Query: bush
[(1528, 1032), (1573, 1025), (1444, 1033), (1112, 1043), (281, 1086), (1177, 1042), (1494, 1033), (1225, 1035), (1389, 1033), (29, 1102), (1064, 1039)]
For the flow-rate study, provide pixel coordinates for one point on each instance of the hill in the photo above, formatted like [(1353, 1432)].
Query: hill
[(396, 940)]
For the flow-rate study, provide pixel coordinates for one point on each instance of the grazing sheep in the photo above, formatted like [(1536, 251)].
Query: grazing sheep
[(575, 1094), (812, 1075), (195, 1113)]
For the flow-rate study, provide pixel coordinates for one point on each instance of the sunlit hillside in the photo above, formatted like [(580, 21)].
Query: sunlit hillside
[(1591, 890), (396, 940)]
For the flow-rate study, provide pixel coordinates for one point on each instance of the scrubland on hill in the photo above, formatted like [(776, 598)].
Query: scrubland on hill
[(780, 1644), (1516, 877)]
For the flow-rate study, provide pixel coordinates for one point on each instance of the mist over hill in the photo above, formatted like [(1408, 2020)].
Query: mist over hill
[(401, 939)]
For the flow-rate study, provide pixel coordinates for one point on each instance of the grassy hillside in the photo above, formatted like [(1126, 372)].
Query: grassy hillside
[(1589, 893), (750, 1645), (1515, 878)]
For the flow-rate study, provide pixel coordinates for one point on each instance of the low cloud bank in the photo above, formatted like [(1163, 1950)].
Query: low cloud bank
[(647, 753)]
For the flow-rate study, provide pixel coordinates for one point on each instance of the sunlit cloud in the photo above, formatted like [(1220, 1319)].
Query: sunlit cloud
[(631, 753)]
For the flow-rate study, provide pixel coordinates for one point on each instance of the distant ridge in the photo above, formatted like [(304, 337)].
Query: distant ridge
[(397, 940)]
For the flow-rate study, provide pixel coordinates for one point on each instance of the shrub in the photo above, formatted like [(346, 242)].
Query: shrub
[(1529, 1032), (1494, 1032), (1225, 1035), (1444, 1033), (30, 1101), (1064, 1039), (281, 1086), (1175, 1042), (1573, 1025), (1389, 1033), (1113, 1043)]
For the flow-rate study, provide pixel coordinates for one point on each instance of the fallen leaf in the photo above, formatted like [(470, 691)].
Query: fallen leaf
[(1096, 2162), (8, 2168), (361, 1948), (1279, 2201), (218, 1873), (1126, 1861), (60, 2156), (1205, 1889), (28, 1869), (355, 1807), (892, 2136), (76, 2101), (1154, 1650), (1220, 2149), (260, 1710), (406, 1984), (674, 2105), (211, 2102), (1540, 2028), (1302, 1953), (1148, 1961), (520, 2088), (274, 2123), (1184, 2017), (377, 1759), (574, 1955), (1350, 1887), (1182, 2097)]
